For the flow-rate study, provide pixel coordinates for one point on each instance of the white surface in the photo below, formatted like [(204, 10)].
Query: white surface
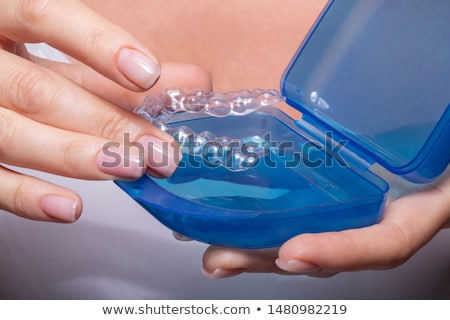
[(118, 251), (43, 50)]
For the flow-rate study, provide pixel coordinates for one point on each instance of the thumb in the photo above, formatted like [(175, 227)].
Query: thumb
[(409, 223)]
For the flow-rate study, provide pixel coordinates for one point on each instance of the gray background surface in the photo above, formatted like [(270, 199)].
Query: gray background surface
[(118, 251)]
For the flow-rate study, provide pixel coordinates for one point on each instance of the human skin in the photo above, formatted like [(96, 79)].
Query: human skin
[(247, 44), (243, 44), (58, 118)]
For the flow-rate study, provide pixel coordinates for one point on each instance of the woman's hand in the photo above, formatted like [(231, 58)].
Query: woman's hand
[(409, 223), (67, 119)]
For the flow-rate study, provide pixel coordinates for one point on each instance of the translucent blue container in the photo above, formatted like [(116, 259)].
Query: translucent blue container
[(372, 81)]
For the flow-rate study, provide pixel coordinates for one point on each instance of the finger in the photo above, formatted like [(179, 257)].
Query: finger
[(30, 144), (83, 34), (52, 99), (35, 199), (219, 262), (409, 223), (443, 186), (173, 75), (48, 97)]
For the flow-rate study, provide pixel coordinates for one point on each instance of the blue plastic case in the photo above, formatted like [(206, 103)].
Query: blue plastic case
[(372, 80)]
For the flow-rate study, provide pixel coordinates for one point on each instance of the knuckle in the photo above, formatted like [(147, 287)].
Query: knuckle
[(115, 126), (401, 247), (7, 131), (74, 160), (29, 90), (32, 12), (444, 205), (79, 76), (95, 38), (71, 157), (19, 204)]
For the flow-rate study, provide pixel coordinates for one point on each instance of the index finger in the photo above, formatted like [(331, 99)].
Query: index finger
[(83, 34)]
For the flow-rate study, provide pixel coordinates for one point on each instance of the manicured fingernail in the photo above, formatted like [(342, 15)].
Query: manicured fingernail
[(60, 207), (117, 162), (162, 156), (180, 237), (297, 266), (139, 68), (221, 273)]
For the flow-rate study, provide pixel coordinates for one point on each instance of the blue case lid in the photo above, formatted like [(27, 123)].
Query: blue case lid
[(378, 74)]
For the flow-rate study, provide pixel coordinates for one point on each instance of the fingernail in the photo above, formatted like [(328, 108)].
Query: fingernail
[(180, 237), (139, 68), (162, 156), (221, 273), (297, 266), (121, 163), (60, 207)]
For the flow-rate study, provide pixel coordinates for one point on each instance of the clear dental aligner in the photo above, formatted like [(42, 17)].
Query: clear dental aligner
[(233, 154)]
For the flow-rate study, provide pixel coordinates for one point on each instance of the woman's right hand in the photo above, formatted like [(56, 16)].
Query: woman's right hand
[(64, 118)]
